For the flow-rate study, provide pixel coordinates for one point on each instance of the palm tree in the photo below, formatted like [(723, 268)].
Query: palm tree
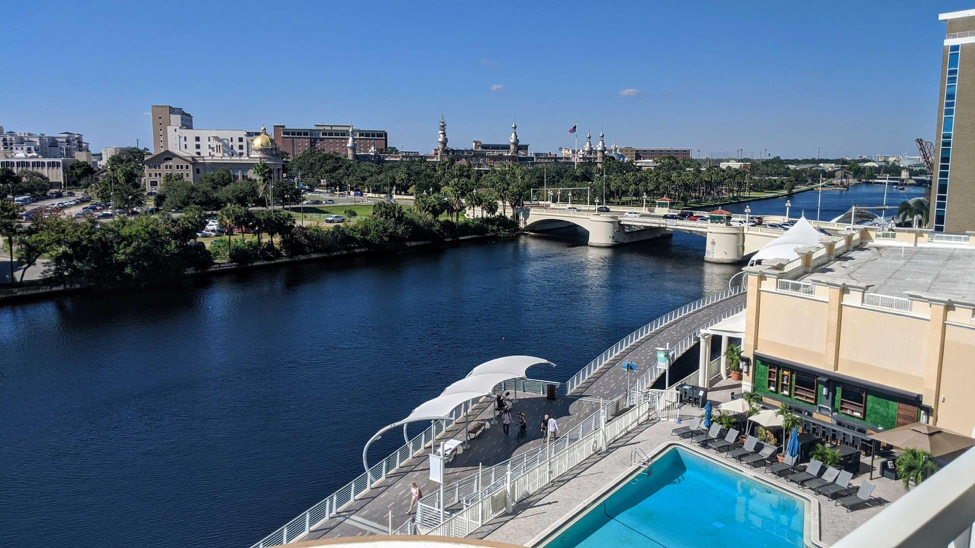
[(912, 211), (9, 228), (789, 421), (230, 217), (915, 465), (262, 171)]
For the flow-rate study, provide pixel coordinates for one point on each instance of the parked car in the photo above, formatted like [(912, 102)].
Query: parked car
[(205, 234), (104, 215), (335, 219), (671, 217), (84, 199), (632, 214), (329, 201), (83, 214), (602, 209), (71, 194), (572, 209), (313, 202)]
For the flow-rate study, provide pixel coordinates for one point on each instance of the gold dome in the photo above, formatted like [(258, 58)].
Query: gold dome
[(262, 141)]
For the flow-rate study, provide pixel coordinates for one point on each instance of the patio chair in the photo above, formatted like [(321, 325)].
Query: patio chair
[(711, 434), (811, 472), (749, 449), (727, 443), (779, 469), (839, 488), (757, 460), (863, 496), (827, 478), (689, 430)]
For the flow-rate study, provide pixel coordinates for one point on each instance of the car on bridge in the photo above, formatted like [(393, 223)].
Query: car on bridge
[(671, 217), (632, 214), (602, 209), (572, 209)]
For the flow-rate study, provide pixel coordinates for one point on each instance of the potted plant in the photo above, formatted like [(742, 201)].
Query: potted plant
[(826, 455), (915, 465), (733, 357), (726, 420), (754, 400), (789, 421)]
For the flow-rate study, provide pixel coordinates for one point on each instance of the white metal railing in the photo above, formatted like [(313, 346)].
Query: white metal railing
[(792, 286), (948, 238), (492, 504), (635, 336), (889, 302), (792, 265), (354, 490), (885, 235), (678, 350), (963, 34)]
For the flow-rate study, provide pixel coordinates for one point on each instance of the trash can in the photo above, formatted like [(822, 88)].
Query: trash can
[(550, 392)]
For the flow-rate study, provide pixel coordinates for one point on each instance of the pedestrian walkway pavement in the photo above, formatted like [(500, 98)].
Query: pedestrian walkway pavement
[(388, 501)]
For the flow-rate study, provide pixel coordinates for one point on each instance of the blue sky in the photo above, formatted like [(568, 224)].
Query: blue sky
[(851, 77)]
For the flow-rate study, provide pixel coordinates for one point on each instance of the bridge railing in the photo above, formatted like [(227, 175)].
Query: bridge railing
[(631, 339)]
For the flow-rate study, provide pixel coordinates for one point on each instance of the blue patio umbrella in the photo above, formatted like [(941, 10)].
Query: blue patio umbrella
[(793, 450), (707, 415)]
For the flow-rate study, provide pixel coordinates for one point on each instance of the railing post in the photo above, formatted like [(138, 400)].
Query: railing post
[(352, 487), (308, 521), (384, 470), (285, 537)]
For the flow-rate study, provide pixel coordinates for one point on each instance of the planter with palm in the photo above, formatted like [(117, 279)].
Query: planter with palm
[(915, 465), (826, 455), (912, 211), (789, 421), (733, 357)]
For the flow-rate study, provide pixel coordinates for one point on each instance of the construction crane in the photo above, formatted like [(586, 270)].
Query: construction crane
[(926, 148)]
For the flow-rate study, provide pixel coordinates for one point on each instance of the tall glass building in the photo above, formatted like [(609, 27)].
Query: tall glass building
[(953, 192)]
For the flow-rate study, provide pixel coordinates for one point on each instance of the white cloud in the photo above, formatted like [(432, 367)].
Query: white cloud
[(631, 92), (497, 87)]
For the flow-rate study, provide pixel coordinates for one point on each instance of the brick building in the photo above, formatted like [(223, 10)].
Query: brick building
[(328, 138)]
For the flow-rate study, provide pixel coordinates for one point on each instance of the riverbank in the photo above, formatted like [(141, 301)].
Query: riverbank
[(752, 197), (41, 290)]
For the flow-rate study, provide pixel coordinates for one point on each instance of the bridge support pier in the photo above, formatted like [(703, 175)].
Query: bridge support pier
[(726, 244)]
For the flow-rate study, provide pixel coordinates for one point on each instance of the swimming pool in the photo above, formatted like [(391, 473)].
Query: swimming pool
[(688, 500)]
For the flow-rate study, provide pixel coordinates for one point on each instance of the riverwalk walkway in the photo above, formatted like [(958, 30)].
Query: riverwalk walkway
[(388, 500)]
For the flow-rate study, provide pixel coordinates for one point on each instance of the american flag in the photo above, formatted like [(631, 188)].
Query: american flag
[(572, 130)]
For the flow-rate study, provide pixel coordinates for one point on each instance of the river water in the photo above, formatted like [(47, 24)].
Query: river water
[(212, 412)]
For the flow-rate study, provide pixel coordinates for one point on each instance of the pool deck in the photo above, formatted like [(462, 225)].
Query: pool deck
[(544, 511), (390, 497)]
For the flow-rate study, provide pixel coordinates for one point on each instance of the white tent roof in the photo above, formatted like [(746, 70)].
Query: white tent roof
[(440, 407), (734, 406), (477, 383), (801, 234), (731, 327), (767, 418), (517, 366)]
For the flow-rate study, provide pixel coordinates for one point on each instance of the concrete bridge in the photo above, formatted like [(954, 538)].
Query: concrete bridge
[(725, 244)]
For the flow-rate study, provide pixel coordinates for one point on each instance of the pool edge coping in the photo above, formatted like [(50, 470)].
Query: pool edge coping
[(811, 519)]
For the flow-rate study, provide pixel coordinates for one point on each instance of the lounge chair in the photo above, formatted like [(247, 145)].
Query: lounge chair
[(779, 469), (827, 478), (711, 434), (749, 449), (727, 443), (839, 488), (863, 496), (812, 472), (761, 458), (689, 430)]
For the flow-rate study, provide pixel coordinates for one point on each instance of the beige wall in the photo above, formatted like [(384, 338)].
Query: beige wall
[(793, 328), (957, 411), (886, 348)]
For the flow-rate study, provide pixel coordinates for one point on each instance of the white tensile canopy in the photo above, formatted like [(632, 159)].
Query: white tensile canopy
[(478, 383), (733, 327), (801, 234)]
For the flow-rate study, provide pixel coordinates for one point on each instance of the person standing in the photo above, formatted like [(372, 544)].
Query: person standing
[(544, 426), (415, 496), (506, 420), (522, 425), (553, 429), (498, 404)]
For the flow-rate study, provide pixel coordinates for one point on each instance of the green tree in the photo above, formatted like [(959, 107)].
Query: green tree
[(915, 465), (9, 227), (242, 193), (389, 211), (912, 211), (189, 223), (32, 183), (826, 455), (263, 173), (789, 421), (279, 223), (79, 173), (31, 246), (8, 182), (231, 217)]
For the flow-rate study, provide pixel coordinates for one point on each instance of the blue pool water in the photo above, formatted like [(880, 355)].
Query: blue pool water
[(689, 501)]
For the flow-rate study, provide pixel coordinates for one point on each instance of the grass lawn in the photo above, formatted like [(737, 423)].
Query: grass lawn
[(360, 210)]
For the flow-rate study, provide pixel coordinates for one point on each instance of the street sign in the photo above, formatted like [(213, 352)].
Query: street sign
[(663, 358), (629, 366)]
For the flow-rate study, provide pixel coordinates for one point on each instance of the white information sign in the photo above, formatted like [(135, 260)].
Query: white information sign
[(436, 468)]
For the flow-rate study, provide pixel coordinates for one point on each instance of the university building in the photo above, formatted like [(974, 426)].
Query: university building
[(49, 155), (192, 167), (634, 154), (328, 138), (173, 131)]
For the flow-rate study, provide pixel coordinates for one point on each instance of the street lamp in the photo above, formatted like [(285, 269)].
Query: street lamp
[(748, 211), (788, 204), (644, 201)]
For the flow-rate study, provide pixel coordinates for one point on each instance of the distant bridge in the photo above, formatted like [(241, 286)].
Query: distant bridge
[(725, 244)]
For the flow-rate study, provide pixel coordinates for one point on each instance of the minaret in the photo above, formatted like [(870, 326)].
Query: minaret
[(442, 138), (601, 148), (587, 149), (350, 148), (513, 140)]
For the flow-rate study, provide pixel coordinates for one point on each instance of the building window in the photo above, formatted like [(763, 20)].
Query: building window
[(805, 389), (785, 382), (773, 378), (853, 401)]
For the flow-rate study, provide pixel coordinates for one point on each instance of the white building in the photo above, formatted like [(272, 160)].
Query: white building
[(734, 164), (33, 145), (218, 143)]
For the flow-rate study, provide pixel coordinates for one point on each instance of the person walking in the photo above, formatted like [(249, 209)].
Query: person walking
[(506, 420), (415, 496), (553, 429), (522, 425), (544, 426), (499, 404)]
